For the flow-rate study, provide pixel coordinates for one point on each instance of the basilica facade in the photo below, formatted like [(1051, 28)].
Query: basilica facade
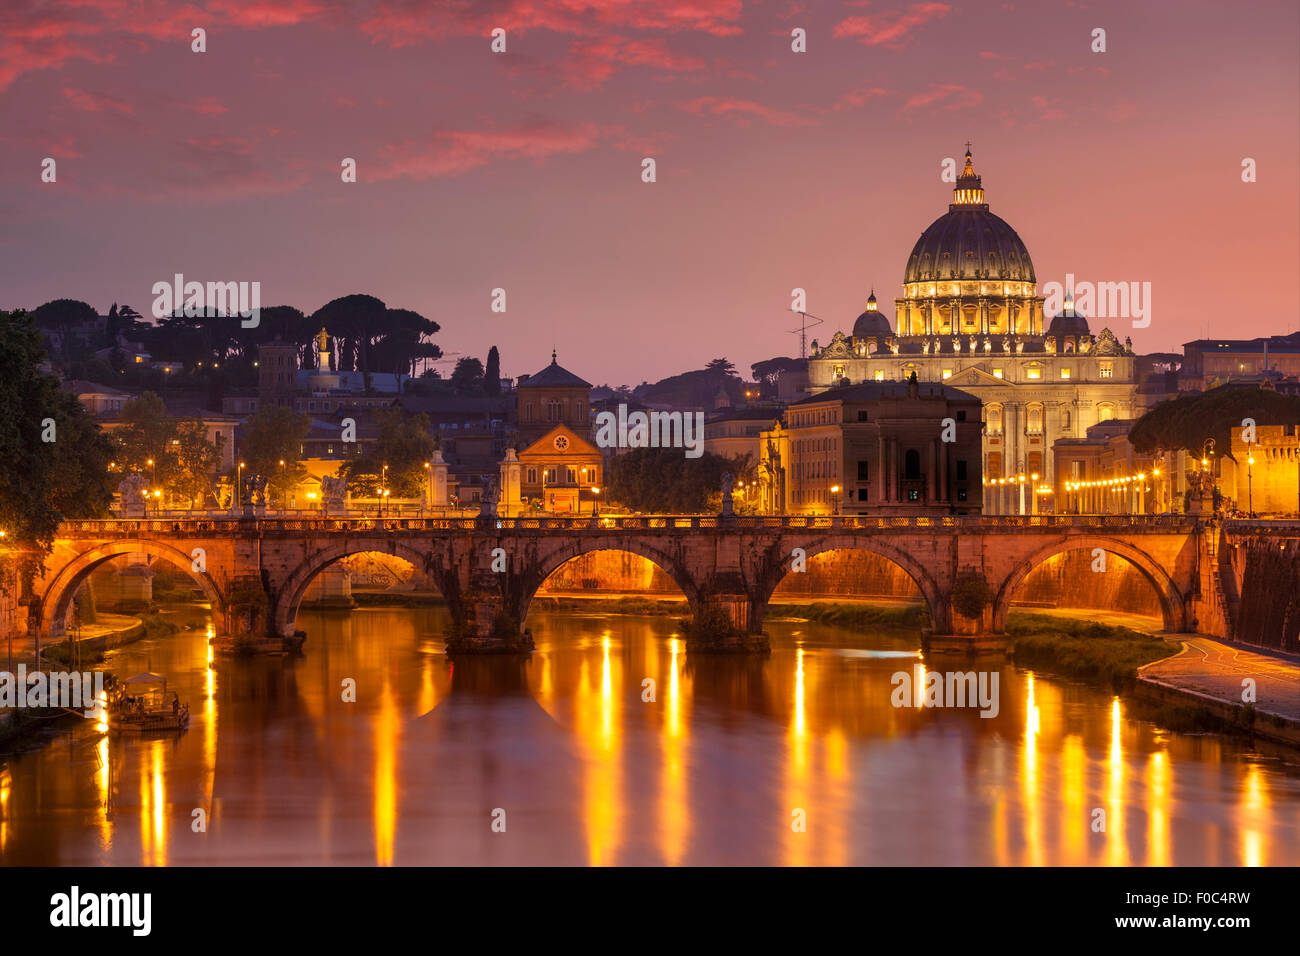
[(970, 316)]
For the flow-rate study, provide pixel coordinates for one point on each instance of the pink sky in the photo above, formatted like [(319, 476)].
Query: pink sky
[(522, 171)]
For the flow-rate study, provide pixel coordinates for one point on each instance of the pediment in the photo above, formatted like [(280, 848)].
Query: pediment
[(975, 376)]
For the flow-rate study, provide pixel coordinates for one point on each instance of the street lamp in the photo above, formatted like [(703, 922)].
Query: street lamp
[(383, 489), (835, 498), (239, 484), (595, 503), (1250, 491)]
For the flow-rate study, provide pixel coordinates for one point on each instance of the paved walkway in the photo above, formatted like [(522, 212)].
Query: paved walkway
[(1213, 667)]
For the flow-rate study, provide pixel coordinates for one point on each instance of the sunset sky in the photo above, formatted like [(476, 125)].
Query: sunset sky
[(523, 170)]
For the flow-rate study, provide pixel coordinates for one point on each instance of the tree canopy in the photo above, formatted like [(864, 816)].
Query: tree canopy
[(1186, 421), (404, 443), (662, 480), (53, 457), (172, 453), (275, 435)]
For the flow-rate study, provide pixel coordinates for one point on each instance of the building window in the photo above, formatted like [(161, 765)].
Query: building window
[(1033, 371), (1065, 374), (1065, 420), (961, 416), (997, 373), (961, 494), (862, 494), (913, 494), (947, 373), (1107, 370), (880, 375), (864, 471), (1105, 412), (995, 420), (912, 464), (862, 414), (1035, 426), (532, 476), (569, 476), (961, 469)]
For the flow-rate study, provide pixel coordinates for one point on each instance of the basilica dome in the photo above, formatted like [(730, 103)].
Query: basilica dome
[(969, 242), (872, 321)]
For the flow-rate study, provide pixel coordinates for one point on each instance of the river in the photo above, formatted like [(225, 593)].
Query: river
[(799, 758)]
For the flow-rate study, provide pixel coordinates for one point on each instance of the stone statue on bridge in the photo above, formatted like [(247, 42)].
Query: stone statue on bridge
[(131, 490), (333, 493), (728, 480)]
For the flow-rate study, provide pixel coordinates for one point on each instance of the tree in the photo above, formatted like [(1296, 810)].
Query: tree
[(275, 435), (173, 454), (43, 482), (405, 443), (664, 481), (492, 373), (1183, 423), (721, 366), (63, 316), (467, 378), (768, 372)]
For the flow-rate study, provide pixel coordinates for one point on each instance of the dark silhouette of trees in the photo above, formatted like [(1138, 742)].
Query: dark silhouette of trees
[(467, 379), (492, 373)]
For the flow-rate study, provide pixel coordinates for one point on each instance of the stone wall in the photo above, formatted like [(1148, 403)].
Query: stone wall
[(1067, 580), (848, 574), (610, 571), (1269, 612)]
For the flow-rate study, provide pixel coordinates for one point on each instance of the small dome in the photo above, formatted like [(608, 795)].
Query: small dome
[(1069, 322), (872, 321)]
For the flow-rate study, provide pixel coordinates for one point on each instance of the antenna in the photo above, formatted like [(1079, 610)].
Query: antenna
[(802, 332)]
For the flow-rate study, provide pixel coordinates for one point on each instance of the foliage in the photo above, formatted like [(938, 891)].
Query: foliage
[(492, 373), (43, 482), (970, 596), (182, 457), (662, 480), (404, 443), (855, 615), (1102, 653), (64, 316), (1186, 421), (275, 435), (768, 372), (697, 389), (467, 378)]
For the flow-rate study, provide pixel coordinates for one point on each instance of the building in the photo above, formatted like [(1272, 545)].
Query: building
[(736, 433), (881, 447), (560, 473), (1211, 362), (1102, 473), (554, 396), (1264, 476), (970, 317)]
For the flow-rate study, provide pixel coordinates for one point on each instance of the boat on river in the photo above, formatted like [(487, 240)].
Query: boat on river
[(141, 705)]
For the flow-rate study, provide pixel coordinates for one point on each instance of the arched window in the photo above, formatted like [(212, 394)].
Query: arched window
[(1035, 426), (1105, 412), (1065, 420), (995, 419), (912, 464)]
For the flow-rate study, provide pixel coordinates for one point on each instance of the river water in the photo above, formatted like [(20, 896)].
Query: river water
[(799, 758)]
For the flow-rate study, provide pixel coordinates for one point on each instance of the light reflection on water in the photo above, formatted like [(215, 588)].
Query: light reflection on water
[(795, 759)]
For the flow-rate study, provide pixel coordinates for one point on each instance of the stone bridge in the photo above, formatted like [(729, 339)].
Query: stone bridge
[(255, 570)]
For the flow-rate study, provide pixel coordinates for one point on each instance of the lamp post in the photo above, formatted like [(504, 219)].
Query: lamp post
[(239, 485), (595, 501), (1250, 490), (1034, 493), (383, 491), (284, 484), (835, 498)]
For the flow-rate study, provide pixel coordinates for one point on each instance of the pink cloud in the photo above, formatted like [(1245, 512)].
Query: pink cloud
[(205, 106), (453, 152), (947, 96), (591, 62), (97, 102), (858, 97), (728, 105), (890, 29)]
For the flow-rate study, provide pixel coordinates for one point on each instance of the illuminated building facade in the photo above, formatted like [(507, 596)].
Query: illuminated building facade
[(970, 317)]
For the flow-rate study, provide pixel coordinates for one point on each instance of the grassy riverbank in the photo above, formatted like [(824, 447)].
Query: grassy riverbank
[(1107, 655)]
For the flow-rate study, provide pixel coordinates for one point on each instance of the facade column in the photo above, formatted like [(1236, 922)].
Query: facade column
[(879, 491), (945, 492), (931, 478)]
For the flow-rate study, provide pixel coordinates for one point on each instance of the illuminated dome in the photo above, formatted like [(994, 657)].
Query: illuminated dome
[(872, 321), (1069, 322), (969, 242)]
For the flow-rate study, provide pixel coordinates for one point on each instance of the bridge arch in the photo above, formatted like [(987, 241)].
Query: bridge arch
[(57, 599), (551, 561), (1172, 606), (924, 581), (295, 586)]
